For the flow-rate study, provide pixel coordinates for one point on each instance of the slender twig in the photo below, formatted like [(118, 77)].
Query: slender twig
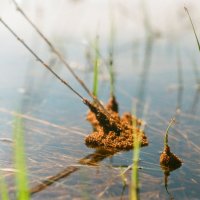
[(59, 55), (54, 50), (186, 10), (40, 60)]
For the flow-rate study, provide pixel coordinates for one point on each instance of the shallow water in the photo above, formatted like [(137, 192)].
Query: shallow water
[(146, 70)]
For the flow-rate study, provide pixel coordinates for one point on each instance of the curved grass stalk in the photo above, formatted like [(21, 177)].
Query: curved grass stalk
[(171, 123), (186, 10)]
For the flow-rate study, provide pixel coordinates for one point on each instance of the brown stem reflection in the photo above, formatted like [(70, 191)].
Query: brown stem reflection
[(91, 159), (166, 172), (49, 181), (99, 155)]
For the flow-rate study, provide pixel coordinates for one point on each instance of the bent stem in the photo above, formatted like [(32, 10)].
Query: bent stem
[(172, 122)]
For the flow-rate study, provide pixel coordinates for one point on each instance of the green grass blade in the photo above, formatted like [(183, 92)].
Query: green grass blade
[(96, 67), (135, 176), (20, 163), (3, 188), (111, 59), (186, 10), (134, 194)]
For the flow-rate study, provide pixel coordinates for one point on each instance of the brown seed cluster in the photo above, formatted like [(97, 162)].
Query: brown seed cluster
[(118, 131), (169, 160)]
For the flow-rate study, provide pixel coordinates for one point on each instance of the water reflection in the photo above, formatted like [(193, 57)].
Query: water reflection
[(166, 176), (180, 83), (148, 52), (97, 156), (195, 102), (91, 159), (166, 173)]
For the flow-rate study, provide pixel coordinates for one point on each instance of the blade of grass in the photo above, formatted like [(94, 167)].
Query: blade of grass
[(186, 10), (111, 60), (3, 188), (135, 177), (19, 160), (96, 67)]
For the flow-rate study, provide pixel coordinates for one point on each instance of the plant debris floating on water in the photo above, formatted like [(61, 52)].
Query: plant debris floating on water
[(114, 132), (169, 160)]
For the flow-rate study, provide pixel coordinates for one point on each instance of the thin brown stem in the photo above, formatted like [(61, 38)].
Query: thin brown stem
[(59, 55), (40, 60), (186, 10)]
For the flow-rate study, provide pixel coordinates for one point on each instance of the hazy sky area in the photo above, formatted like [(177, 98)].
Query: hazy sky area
[(71, 24), (86, 17)]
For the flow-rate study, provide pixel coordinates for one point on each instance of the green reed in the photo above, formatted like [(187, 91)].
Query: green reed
[(20, 161), (134, 193), (96, 67)]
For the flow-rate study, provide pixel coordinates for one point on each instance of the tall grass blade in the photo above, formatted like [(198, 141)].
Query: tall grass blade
[(134, 195), (186, 10), (111, 59), (3, 188), (135, 177), (20, 161), (96, 67)]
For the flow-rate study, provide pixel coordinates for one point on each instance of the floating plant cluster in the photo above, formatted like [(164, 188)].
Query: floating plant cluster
[(115, 132)]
